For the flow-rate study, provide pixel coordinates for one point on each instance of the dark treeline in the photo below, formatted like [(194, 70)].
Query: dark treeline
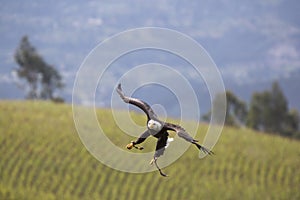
[(267, 111)]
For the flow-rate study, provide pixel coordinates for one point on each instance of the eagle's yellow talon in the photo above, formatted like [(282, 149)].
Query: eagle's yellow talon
[(129, 146)]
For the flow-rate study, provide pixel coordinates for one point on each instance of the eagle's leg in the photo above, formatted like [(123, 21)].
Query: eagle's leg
[(141, 139), (154, 160), (134, 143)]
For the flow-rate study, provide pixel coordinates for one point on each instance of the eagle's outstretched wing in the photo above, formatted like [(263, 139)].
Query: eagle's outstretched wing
[(183, 134), (137, 102)]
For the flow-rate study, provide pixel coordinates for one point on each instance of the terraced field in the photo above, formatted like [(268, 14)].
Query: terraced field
[(42, 157)]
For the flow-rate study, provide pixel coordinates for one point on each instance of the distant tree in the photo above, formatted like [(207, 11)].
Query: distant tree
[(269, 112), (292, 124), (236, 110), (256, 116), (278, 110), (42, 79)]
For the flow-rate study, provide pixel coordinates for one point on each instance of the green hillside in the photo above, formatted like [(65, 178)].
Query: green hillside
[(42, 157)]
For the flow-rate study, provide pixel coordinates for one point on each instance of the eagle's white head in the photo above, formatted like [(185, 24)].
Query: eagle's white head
[(154, 125)]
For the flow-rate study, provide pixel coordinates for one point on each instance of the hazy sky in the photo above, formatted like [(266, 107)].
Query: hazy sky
[(250, 41)]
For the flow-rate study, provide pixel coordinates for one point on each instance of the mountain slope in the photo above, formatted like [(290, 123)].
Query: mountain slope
[(42, 157)]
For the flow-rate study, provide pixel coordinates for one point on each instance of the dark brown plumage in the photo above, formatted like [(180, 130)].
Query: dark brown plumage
[(157, 129)]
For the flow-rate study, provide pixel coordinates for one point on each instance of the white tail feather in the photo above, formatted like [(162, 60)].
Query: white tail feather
[(169, 141)]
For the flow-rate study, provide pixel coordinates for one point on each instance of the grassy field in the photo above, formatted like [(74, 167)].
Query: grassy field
[(42, 157)]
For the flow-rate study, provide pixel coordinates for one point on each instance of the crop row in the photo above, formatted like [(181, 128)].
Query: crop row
[(47, 160)]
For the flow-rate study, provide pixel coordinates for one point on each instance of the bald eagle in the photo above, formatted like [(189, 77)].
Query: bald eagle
[(158, 129)]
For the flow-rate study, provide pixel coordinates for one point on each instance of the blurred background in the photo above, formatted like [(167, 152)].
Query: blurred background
[(255, 45)]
